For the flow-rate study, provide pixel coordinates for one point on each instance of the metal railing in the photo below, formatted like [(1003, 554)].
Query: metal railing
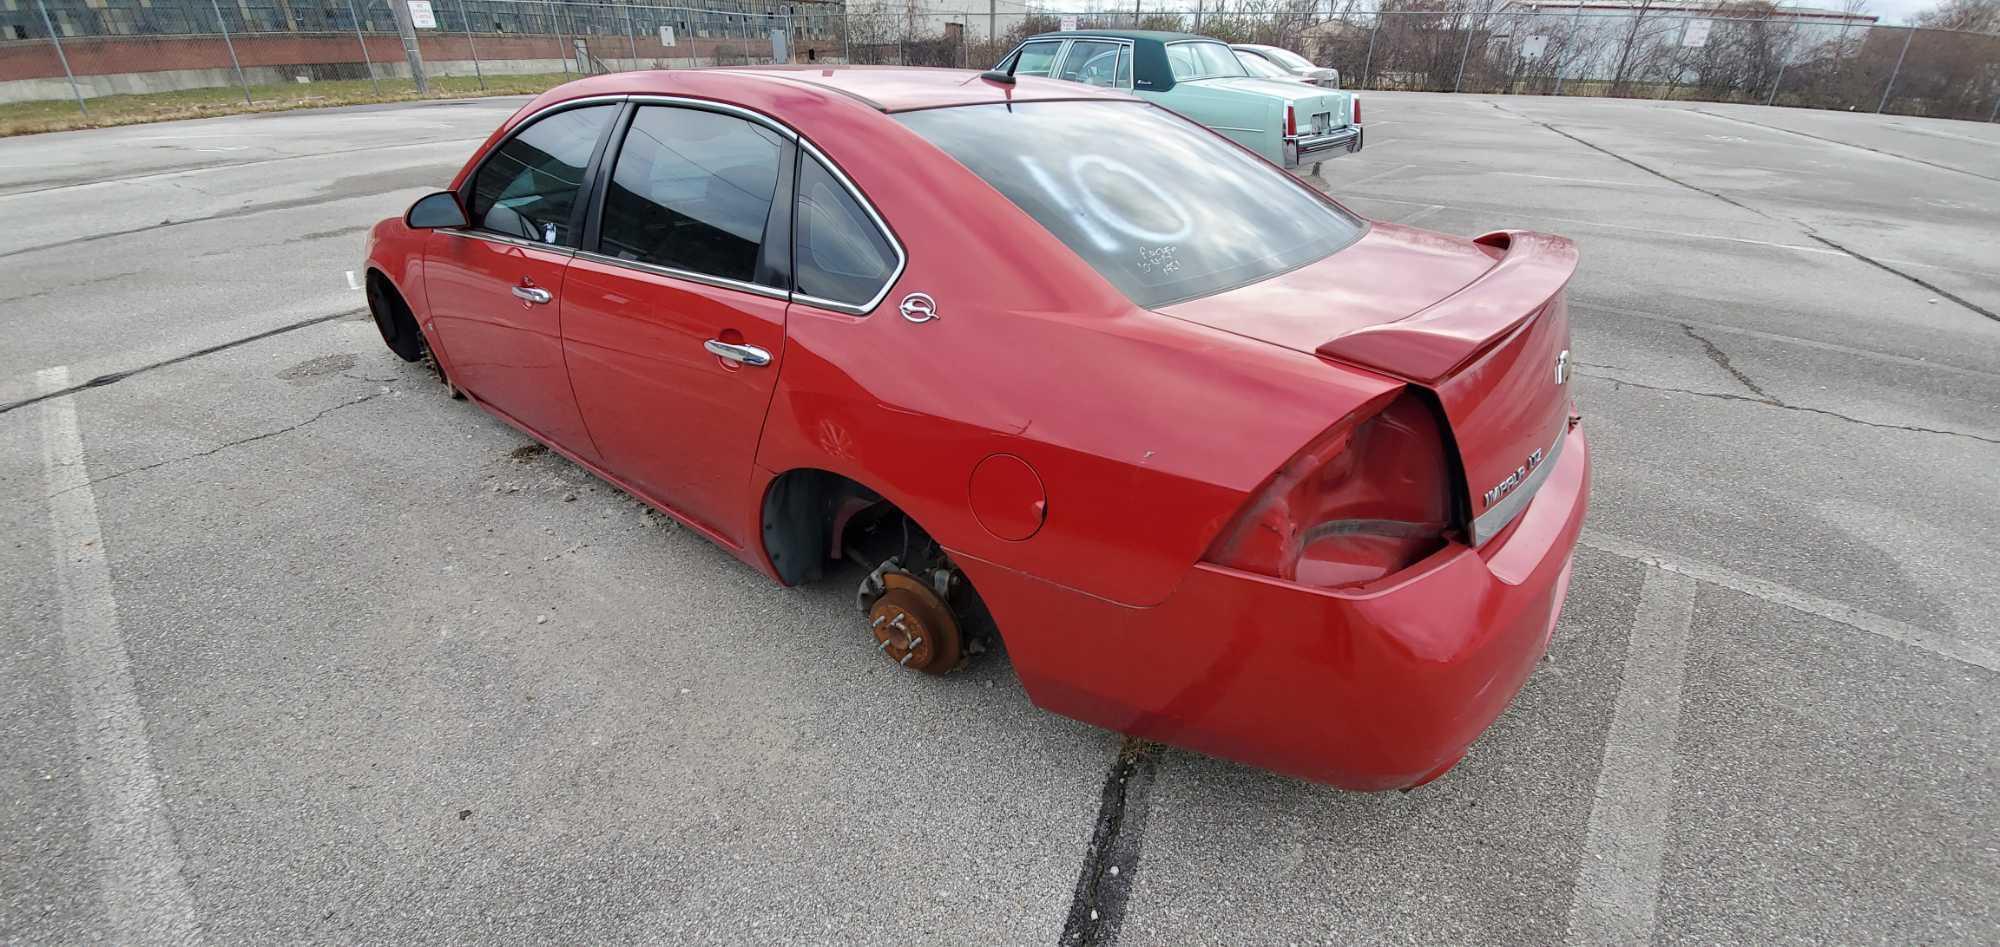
[(1735, 53)]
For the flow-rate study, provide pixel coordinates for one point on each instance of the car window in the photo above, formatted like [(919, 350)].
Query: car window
[(1124, 67), (1202, 61), (1296, 62), (528, 187), (1092, 61), (1258, 66), (1110, 180), (1036, 59), (841, 254), (692, 190)]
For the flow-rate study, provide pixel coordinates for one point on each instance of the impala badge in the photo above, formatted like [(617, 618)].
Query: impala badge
[(1519, 476), (919, 308)]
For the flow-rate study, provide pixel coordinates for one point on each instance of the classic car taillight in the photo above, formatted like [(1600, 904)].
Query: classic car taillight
[(1291, 122), (1357, 110), (1364, 500)]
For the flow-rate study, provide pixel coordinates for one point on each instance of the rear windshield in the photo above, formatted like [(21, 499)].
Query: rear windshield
[(1163, 208)]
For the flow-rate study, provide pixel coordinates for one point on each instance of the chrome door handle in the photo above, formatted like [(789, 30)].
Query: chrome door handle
[(532, 294), (743, 354)]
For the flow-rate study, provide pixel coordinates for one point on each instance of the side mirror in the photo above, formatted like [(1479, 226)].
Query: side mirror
[(438, 211)]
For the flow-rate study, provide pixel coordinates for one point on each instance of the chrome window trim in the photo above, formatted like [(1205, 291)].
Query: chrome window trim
[(1055, 63), (493, 237), (711, 105), (902, 257), (655, 269), (1490, 523), (1069, 49)]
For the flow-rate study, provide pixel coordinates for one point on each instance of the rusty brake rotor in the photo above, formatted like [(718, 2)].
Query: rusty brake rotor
[(915, 627)]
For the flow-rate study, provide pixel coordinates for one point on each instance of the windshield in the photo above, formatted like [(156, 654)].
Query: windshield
[(1289, 58), (1111, 180), (1202, 61)]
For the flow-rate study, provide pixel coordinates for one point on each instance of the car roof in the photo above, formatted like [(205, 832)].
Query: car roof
[(883, 88), (1161, 36)]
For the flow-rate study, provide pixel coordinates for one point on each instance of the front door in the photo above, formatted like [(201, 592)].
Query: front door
[(674, 323), (495, 288)]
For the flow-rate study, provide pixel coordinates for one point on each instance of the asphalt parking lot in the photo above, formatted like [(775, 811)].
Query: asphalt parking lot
[(296, 648)]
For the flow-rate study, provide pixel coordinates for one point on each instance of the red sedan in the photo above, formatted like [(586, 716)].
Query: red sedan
[(1222, 463)]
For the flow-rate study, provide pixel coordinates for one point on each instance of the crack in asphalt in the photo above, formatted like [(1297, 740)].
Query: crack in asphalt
[(1721, 358), (1836, 141), (1111, 859), (112, 377), (221, 447), (1766, 402), (1808, 229)]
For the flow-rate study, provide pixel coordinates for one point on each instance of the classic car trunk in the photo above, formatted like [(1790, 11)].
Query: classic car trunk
[(1320, 110), (1479, 323)]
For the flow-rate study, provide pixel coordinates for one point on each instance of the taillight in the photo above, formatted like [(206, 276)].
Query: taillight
[(1357, 110), (1291, 122), (1364, 500)]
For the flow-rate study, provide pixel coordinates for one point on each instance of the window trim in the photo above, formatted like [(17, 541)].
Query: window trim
[(1013, 59), (584, 190), (867, 207), (1069, 49)]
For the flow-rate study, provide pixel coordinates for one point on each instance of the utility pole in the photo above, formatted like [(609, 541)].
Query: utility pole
[(367, 61), (408, 28), (992, 36), (1909, 33), (237, 65), (56, 38)]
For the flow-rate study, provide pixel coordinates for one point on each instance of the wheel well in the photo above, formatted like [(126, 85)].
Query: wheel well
[(802, 510)]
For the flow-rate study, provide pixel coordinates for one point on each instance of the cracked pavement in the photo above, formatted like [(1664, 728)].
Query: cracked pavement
[(393, 674)]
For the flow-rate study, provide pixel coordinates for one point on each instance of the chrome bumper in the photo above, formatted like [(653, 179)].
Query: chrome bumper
[(1302, 151)]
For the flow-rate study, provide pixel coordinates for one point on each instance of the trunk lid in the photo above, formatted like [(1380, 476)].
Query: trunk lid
[(1480, 323), (1309, 101)]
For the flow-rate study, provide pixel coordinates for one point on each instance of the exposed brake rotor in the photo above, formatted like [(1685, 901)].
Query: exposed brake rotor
[(913, 626)]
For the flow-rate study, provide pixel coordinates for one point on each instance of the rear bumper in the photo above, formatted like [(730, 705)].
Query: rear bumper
[(1383, 689), (1341, 141)]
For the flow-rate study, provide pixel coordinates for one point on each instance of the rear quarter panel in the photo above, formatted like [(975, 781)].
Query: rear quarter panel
[(1148, 433)]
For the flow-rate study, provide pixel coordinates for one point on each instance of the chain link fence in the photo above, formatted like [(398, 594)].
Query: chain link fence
[(82, 49)]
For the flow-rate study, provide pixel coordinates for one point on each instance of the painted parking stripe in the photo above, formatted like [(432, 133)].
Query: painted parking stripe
[(1618, 885), (1962, 651), (137, 864)]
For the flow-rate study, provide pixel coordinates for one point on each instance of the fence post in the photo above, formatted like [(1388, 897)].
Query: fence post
[(1368, 62), (477, 71), (631, 36), (366, 60), (231, 46), (1893, 73), (64, 57), (1569, 42), (556, 34), (1782, 63), (1463, 54)]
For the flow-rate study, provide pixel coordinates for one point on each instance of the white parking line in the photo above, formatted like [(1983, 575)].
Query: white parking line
[(1421, 213), (1962, 651), (1618, 886), (132, 849)]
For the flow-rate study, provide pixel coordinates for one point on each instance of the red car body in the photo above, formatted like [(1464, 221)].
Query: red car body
[(1083, 460)]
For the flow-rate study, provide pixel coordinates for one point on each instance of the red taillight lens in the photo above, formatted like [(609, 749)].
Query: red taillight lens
[(1291, 122), (1357, 110), (1365, 500)]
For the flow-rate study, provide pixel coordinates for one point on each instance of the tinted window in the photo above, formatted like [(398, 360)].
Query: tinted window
[(1036, 59), (692, 190), (1201, 61), (841, 255), (528, 187), (1111, 181), (1093, 62)]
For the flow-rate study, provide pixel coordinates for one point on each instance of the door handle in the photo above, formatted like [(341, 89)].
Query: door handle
[(742, 354), (533, 295)]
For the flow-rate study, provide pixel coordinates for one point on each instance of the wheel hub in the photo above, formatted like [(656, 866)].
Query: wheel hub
[(913, 626)]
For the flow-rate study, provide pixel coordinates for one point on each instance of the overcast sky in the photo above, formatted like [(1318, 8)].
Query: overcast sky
[(1891, 11)]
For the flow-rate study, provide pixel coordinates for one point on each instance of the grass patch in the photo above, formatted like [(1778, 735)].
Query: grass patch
[(27, 118)]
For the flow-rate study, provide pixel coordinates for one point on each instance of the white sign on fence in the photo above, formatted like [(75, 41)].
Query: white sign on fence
[(1696, 35), (666, 35), (421, 16), (1069, 24), (1535, 47)]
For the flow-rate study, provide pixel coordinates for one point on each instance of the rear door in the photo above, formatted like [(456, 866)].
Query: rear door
[(674, 310), (495, 288)]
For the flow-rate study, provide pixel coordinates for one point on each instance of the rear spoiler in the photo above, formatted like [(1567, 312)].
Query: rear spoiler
[(1431, 344)]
